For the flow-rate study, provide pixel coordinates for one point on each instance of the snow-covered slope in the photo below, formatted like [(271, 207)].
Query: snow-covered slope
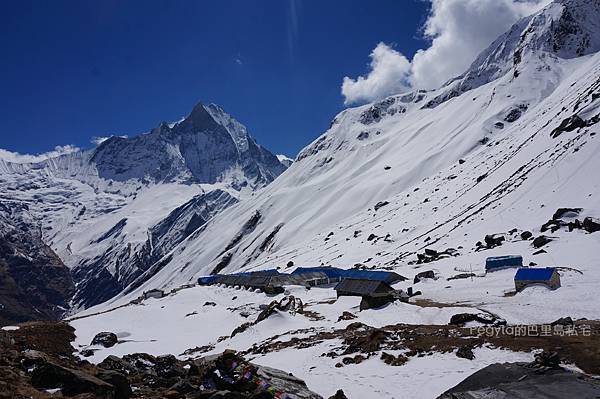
[(113, 211), (481, 161)]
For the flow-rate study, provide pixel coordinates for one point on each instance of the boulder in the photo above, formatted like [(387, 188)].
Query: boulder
[(492, 241), (106, 339), (117, 380), (591, 225), (540, 241), (568, 125), (465, 352), (339, 395), (423, 275), (546, 360), (460, 319), (167, 366), (461, 276), (518, 380), (71, 382), (563, 321), (87, 352), (116, 364), (526, 235), (380, 204), (566, 212), (392, 360)]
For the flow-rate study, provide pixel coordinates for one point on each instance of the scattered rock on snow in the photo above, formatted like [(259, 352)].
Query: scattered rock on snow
[(423, 275), (526, 235), (540, 241), (568, 125), (106, 339), (465, 352), (380, 204), (461, 276), (392, 360), (461, 319), (339, 395), (563, 321), (71, 382)]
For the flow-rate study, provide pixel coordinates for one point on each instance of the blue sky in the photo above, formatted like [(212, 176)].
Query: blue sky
[(72, 70)]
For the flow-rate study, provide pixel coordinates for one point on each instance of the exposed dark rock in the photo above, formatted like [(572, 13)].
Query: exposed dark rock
[(339, 395), (380, 204), (392, 360), (423, 275), (223, 263), (34, 283), (461, 276), (540, 241), (461, 319), (368, 342), (71, 382), (106, 339), (546, 360), (431, 255), (526, 235), (112, 232), (289, 304), (491, 241), (563, 321), (591, 225), (517, 380), (515, 113), (346, 316), (465, 352), (566, 212), (363, 135), (87, 352), (118, 381), (481, 177), (568, 125)]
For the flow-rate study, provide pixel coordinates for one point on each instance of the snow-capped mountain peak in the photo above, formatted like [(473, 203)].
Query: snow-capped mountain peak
[(564, 29), (118, 208)]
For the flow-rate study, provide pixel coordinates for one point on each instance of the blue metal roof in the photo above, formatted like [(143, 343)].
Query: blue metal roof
[(331, 272), (208, 279), (374, 275), (537, 273), (334, 272), (503, 261)]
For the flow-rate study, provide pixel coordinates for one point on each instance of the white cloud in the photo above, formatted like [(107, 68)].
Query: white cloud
[(26, 158), (458, 30), (389, 70)]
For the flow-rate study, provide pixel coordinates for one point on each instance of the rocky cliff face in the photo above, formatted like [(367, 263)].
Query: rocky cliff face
[(208, 146), (34, 283)]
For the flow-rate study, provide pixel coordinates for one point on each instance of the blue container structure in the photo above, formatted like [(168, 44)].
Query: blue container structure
[(502, 262), (527, 276)]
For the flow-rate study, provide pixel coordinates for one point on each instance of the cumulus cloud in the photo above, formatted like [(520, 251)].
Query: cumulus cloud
[(457, 30), (16, 157), (389, 70)]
